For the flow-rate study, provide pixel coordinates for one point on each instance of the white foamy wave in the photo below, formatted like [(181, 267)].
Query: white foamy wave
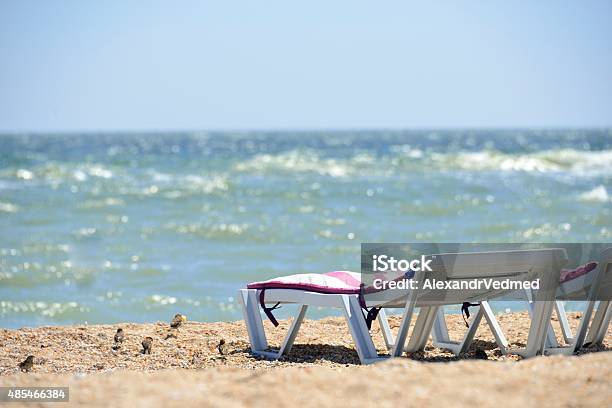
[(577, 162), (598, 194), (24, 174), (402, 158), (49, 309), (162, 299), (297, 161), (58, 172), (8, 207), (206, 184), (174, 185), (99, 171)]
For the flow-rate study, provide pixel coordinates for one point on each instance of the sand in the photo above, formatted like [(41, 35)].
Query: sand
[(322, 368)]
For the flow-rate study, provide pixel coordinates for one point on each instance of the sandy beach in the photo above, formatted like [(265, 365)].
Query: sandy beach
[(186, 368), (167, 170)]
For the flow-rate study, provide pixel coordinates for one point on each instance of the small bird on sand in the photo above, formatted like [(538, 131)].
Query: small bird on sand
[(222, 347), (26, 365), (178, 320), (119, 337), (147, 343)]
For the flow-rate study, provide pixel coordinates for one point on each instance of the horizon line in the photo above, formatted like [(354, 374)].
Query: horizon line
[(72, 132)]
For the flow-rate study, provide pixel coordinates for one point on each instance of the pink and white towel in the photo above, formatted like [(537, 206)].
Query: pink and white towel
[(569, 274), (337, 282)]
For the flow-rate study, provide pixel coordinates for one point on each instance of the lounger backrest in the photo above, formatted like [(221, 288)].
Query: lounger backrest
[(499, 263), (529, 264)]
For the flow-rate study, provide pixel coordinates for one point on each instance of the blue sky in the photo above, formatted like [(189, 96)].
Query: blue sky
[(103, 66)]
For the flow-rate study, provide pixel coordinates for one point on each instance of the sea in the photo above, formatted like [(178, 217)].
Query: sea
[(138, 226)]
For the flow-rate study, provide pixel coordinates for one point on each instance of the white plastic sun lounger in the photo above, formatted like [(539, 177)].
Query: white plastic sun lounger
[(528, 264), (496, 265), (601, 319), (348, 303), (596, 284)]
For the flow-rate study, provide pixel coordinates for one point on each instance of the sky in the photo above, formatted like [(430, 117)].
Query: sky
[(79, 66)]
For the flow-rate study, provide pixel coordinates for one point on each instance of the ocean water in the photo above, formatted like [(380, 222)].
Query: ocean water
[(118, 227)]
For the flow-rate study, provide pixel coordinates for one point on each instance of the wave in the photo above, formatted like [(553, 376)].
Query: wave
[(577, 162), (216, 177), (101, 179), (45, 309), (299, 161), (598, 194), (570, 161), (8, 207)]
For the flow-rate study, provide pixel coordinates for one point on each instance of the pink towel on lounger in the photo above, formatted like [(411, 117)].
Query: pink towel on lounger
[(337, 282), (569, 274)]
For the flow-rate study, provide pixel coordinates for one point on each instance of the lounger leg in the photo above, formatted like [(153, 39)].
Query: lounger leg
[(601, 321), (386, 330), (440, 330), (603, 328), (471, 331), (440, 336), (250, 309), (562, 316), (500, 339), (422, 329), (551, 339), (457, 347), (293, 331), (538, 331), (463, 346), (359, 329), (402, 333), (578, 341), (540, 334)]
